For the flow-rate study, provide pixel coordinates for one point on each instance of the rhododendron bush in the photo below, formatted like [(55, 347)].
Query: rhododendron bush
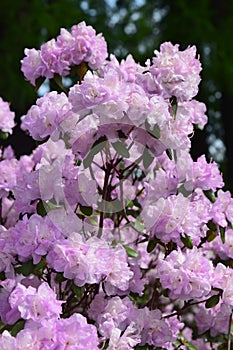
[(111, 236)]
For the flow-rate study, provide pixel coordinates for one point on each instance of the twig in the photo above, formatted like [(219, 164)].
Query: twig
[(229, 333)]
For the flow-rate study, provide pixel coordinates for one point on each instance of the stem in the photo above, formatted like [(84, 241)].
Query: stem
[(186, 305), (93, 178), (154, 295), (104, 198), (134, 165), (1, 221), (229, 333)]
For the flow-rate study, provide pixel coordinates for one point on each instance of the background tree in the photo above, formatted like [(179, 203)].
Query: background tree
[(137, 27)]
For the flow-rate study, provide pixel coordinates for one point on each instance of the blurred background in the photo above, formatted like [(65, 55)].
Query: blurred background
[(137, 27)]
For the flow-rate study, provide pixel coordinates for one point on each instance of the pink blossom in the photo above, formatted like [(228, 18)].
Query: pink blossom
[(52, 55), (176, 72), (90, 262), (88, 47), (223, 250), (7, 341), (75, 333), (186, 275), (6, 117), (154, 330), (33, 67), (205, 175), (127, 69), (126, 341), (222, 208), (33, 304), (8, 176), (43, 118), (196, 110)]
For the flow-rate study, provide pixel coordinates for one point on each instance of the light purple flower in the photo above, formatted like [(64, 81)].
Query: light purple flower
[(205, 175), (7, 341), (110, 313), (154, 330), (33, 237), (91, 262), (127, 69), (87, 46), (196, 111), (223, 250), (222, 208), (6, 117), (43, 118), (187, 275), (52, 55), (33, 67), (8, 176), (126, 341), (7, 258), (56, 56), (36, 305), (75, 333), (176, 72), (105, 97)]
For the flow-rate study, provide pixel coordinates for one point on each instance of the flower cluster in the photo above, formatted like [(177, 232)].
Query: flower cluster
[(176, 73), (111, 236), (57, 56)]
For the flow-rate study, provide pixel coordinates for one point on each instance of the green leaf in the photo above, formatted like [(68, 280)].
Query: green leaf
[(187, 241), (18, 326), (182, 341), (39, 82), (147, 158), (58, 80), (184, 191), (42, 208), (97, 147), (88, 159), (129, 203), (169, 153), (121, 149), (211, 225), (130, 252), (175, 155), (3, 135), (174, 105), (86, 210), (222, 233), (82, 69), (155, 132), (138, 226), (199, 127), (210, 195), (77, 290), (212, 301), (59, 277), (211, 235), (151, 245), (99, 144), (92, 221), (26, 268), (2, 276), (39, 268), (230, 224)]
